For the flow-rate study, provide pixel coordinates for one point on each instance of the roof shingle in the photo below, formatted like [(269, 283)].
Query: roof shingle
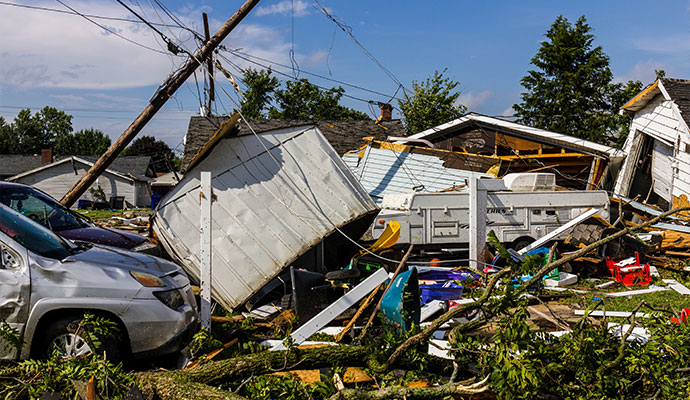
[(342, 135)]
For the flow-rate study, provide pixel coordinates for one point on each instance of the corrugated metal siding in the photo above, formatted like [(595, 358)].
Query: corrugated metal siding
[(385, 171), (58, 180), (265, 215)]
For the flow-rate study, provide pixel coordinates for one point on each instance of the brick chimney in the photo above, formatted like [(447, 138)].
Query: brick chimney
[(386, 112), (46, 156)]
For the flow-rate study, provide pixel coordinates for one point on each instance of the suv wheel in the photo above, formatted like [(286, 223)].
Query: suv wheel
[(67, 337)]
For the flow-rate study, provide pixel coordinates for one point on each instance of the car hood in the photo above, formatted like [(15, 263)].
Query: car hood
[(104, 236), (123, 259)]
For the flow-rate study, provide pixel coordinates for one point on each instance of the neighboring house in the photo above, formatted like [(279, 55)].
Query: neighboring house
[(128, 177), (15, 164), (658, 164), (477, 142), (342, 135)]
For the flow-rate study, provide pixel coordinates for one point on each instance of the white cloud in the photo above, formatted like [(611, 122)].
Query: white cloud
[(474, 100), (77, 54), (643, 71), (316, 58), (508, 112), (678, 44), (284, 7)]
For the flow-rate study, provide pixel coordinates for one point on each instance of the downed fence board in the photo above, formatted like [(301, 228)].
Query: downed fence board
[(269, 209), (651, 289)]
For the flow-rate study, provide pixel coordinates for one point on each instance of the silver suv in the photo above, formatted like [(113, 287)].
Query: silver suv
[(48, 283)]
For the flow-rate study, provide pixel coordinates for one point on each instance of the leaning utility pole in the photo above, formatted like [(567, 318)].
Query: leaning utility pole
[(160, 98), (211, 91)]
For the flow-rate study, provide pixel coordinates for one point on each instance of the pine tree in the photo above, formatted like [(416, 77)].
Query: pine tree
[(572, 91)]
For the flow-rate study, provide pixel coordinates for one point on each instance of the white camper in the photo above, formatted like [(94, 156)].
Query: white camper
[(517, 217)]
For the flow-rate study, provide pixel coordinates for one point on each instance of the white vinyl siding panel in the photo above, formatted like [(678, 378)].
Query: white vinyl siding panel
[(657, 120), (681, 181), (662, 167)]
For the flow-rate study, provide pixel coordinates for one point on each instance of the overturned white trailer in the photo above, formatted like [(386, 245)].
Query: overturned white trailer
[(281, 198), (517, 217)]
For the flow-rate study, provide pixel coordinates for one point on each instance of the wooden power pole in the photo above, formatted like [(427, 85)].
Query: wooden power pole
[(211, 91), (156, 104)]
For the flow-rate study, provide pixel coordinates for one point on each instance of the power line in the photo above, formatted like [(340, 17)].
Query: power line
[(348, 32), (55, 10), (247, 56), (110, 30), (87, 109), (172, 47)]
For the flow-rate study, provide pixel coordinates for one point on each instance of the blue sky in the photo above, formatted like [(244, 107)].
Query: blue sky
[(62, 60)]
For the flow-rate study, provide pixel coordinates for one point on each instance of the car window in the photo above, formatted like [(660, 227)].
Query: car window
[(32, 235), (41, 209)]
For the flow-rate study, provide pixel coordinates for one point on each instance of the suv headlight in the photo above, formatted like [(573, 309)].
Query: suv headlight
[(171, 298), (147, 280)]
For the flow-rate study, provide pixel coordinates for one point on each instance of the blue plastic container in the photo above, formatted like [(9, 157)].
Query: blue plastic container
[(155, 199)]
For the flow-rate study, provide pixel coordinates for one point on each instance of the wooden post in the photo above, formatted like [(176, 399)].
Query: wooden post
[(156, 104), (477, 221), (211, 91), (206, 199)]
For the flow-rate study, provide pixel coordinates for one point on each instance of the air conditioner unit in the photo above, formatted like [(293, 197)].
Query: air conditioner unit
[(530, 181)]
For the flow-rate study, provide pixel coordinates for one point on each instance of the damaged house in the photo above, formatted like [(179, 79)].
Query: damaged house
[(443, 157), (657, 168)]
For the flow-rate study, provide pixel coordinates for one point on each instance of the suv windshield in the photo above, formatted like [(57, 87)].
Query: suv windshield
[(33, 236), (41, 208)]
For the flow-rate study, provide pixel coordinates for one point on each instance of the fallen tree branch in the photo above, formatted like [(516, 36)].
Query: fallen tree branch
[(425, 334), (398, 392), (174, 385)]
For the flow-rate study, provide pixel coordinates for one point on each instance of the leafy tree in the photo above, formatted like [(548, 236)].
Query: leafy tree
[(433, 102), (304, 100), (301, 99), (40, 130), (260, 88), (9, 142), (161, 155), (621, 95), (86, 142), (571, 91)]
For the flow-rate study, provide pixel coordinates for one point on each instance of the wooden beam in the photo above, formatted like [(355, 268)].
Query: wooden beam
[(160, 98)]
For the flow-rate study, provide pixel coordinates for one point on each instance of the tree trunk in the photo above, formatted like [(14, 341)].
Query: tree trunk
[(218, 372), (409, 393)]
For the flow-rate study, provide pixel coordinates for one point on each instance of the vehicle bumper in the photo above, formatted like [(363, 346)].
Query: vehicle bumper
[(155, 329)]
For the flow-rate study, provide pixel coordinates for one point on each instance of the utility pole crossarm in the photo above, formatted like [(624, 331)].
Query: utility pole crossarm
[(156, 104)]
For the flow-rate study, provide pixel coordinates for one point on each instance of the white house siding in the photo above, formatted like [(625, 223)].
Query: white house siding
[(658, 120), (681, 181), (662, 167), (59, 179)]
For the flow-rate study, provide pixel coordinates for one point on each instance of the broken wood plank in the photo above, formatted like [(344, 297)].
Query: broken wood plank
[(335, 309), (677, 286), (618, 314), (638, 292)]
